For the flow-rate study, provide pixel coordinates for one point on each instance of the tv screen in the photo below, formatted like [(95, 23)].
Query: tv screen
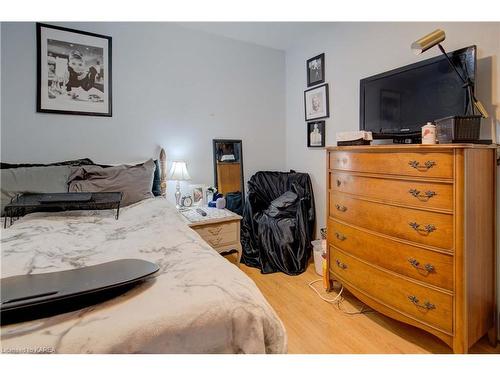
[(404, 99)]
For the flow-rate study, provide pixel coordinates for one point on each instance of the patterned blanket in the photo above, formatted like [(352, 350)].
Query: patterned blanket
[(197, 303)]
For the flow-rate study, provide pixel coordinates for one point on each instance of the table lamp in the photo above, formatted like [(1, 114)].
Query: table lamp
[(178, 172)]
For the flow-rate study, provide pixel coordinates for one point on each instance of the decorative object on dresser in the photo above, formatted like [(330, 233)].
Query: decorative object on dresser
[(316, 103), (178, 173), (316, 134), (315, 67), (429, 134), (74, 71), (411, 232), (219, 228)]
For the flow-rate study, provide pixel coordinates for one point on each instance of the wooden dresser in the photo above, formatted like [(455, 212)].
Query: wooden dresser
[(411, 233)]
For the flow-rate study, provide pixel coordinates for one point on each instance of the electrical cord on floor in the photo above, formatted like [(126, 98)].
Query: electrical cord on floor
[(364, 309), (338, 299), (323, 298)]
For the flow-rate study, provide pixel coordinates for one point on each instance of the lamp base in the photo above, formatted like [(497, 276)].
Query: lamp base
[(178, 195)]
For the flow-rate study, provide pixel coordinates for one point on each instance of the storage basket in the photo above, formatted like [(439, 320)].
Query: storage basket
[(455, 129)]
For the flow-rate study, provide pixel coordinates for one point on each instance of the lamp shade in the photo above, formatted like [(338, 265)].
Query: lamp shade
[(178, 171), (428, 41)]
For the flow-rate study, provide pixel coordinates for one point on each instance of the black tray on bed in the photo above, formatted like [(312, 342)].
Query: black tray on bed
[(26, 203), (28, 297)]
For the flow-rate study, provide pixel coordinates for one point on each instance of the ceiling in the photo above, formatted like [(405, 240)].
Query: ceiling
[(278, 35)]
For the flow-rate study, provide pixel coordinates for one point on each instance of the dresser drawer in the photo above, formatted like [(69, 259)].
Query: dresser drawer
[(416, 193), (412, 261), (427, 305), (219, 234), (421, 164), (430, 228)]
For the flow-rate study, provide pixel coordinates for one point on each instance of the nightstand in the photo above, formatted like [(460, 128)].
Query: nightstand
[(220, 228)]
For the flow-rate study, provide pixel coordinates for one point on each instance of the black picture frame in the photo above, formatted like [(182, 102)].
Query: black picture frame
[(109, 88), (326, 103), (311, 73), (321, 125)]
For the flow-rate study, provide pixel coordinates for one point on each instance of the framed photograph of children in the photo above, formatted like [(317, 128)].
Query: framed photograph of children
[(73, 71), (197, 192), (316, 134), (316, 103), (315, 67)]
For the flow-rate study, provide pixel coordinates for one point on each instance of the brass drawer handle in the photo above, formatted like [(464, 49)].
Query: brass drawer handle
[(429, 228), (215, 231), (341, 208), (422, 197), (339, 183), (341, 265), (340, 236), (427, 305), (426, 268), (427, 165)]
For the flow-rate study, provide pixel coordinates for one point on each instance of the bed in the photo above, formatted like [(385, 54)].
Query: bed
[(198, 302)]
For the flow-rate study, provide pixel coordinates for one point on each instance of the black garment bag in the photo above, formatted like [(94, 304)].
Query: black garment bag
[(278, 222)]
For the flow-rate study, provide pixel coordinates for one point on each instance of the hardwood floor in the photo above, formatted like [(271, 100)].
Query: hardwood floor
[(317, 327)]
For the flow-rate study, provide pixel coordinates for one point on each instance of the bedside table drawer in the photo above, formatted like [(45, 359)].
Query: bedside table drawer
[(216, 229), (219, 234)]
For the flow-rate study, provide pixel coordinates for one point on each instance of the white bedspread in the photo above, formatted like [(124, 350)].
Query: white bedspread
[(197, 303)]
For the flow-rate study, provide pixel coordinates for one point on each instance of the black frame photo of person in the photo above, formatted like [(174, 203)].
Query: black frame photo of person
[(321, 129), (73, 71), (316, 103), (311, 72)]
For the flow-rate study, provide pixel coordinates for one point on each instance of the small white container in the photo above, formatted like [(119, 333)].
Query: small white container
[(319, 248), (429, 134), (220, 203)]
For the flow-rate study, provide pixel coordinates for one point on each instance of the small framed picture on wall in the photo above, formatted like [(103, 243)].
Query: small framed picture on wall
[(316, 103), (316, 134), (315, 67), (73, 71)]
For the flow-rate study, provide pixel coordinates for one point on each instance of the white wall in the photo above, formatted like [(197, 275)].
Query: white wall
[(357, 50), (172, 87)]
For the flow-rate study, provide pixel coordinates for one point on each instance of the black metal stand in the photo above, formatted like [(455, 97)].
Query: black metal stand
[(23, 204), (467, 84)]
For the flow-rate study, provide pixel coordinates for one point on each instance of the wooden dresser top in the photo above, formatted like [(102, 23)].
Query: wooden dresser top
[(411, 147)]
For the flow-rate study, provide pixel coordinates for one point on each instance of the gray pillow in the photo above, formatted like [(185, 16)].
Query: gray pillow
[(14, 181), (134, 181)]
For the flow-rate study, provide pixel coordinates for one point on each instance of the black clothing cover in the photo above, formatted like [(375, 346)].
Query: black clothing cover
[(278, 222), (234, 202)]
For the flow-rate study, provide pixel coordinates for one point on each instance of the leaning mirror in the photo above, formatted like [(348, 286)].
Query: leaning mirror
[(228, 172)]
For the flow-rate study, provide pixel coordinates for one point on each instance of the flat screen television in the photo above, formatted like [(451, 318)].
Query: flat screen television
[(402, 100)]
